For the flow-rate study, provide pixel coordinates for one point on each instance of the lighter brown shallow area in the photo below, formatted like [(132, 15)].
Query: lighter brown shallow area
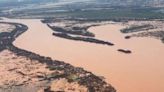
[(18, 71), (6, 27), (19, 74), (141, 71), (64, 86)]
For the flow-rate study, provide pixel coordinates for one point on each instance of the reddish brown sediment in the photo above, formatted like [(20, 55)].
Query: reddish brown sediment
[(141, 71)]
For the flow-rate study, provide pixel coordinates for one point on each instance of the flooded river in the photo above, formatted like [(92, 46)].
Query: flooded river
[(141, 71)]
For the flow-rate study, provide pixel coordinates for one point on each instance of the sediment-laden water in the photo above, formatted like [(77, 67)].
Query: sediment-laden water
[(141, 71)]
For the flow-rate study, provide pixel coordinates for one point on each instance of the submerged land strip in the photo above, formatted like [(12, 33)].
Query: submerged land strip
[(77, 30), (48, 75), (153, 29), (92, 40)]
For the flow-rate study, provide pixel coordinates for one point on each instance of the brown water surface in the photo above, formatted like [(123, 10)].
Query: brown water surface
[(141, 71)]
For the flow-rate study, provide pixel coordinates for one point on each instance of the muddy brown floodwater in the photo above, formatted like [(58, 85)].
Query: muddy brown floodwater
[(141, 71)]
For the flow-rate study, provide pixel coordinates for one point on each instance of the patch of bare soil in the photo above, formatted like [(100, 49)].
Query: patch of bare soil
[(63, 85), (18, 72)]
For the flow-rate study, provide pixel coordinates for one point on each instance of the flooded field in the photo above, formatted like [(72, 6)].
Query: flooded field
[(6, 27), (141, 71)]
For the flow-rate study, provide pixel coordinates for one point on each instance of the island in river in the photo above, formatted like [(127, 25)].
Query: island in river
[(140, 71)]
